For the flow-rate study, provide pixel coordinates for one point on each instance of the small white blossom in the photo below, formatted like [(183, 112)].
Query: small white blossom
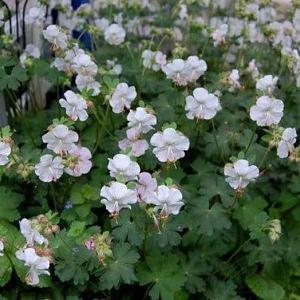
[(202, 105), (177, 71), (117, 196), (35, 16), (141, 120), (112, 65), (54, 35), (146, 187), (253, 70), (30, 51), (167, 199), (169, 145), (75, 106), (65, 63), (197, 67), (114, 34), (267, 83), (60, 138), (219, 35), (84, 65), (122, 165), (88, 83), (153, 59), (49, 168), (5, 151), (234, 80), (286, 144), (38, 265), (267, 111), (240, 174), (80, 161), (31, 234), (122, 97), (134, 142), (102, 24)]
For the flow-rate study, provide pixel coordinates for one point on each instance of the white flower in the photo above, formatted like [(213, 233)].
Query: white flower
[(177, 71), (5, 150), (196, 66), (233, 79), (219, 35), (75, 106), (117, 196), (252, 68), (146, 187), (153, 59), (54, 35), (133, 141), (1, 248), (267, 83), (80, 161), (38, 265), (141, 120), (169, 145), (30, 51), (113, 66), (240, 174), (84, 65), (167, 199), (66, 63), (102, 23), (286, 144), (122, 165), (267, 111), (88, 83), (35, 16), (31, 234), (202, 105), (122, 97), (49, 168), (114, 34), (60, 138)]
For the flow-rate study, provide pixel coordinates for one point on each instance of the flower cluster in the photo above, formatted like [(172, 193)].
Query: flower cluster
[(36, 254), (140, 122), (101, 244), (183, 72), (154, 60), (73, 159)]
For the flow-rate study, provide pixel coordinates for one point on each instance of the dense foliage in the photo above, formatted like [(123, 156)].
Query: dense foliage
[(164, 164)]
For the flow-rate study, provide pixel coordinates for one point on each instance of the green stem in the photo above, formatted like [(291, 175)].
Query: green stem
[(237, 251), (216, 141), (102, 129), (264, 157), (250, 142)]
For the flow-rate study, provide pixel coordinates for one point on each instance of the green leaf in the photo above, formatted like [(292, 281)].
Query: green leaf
[(126, 228), (164, 274), (9, 201), (248, 211), (213, 186), (265, 288), (209, 219), (76, 228), (121, 268), (5, 270), (222, 290)]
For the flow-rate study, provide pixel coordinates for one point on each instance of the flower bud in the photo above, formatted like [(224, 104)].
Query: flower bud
[(274, 228)]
